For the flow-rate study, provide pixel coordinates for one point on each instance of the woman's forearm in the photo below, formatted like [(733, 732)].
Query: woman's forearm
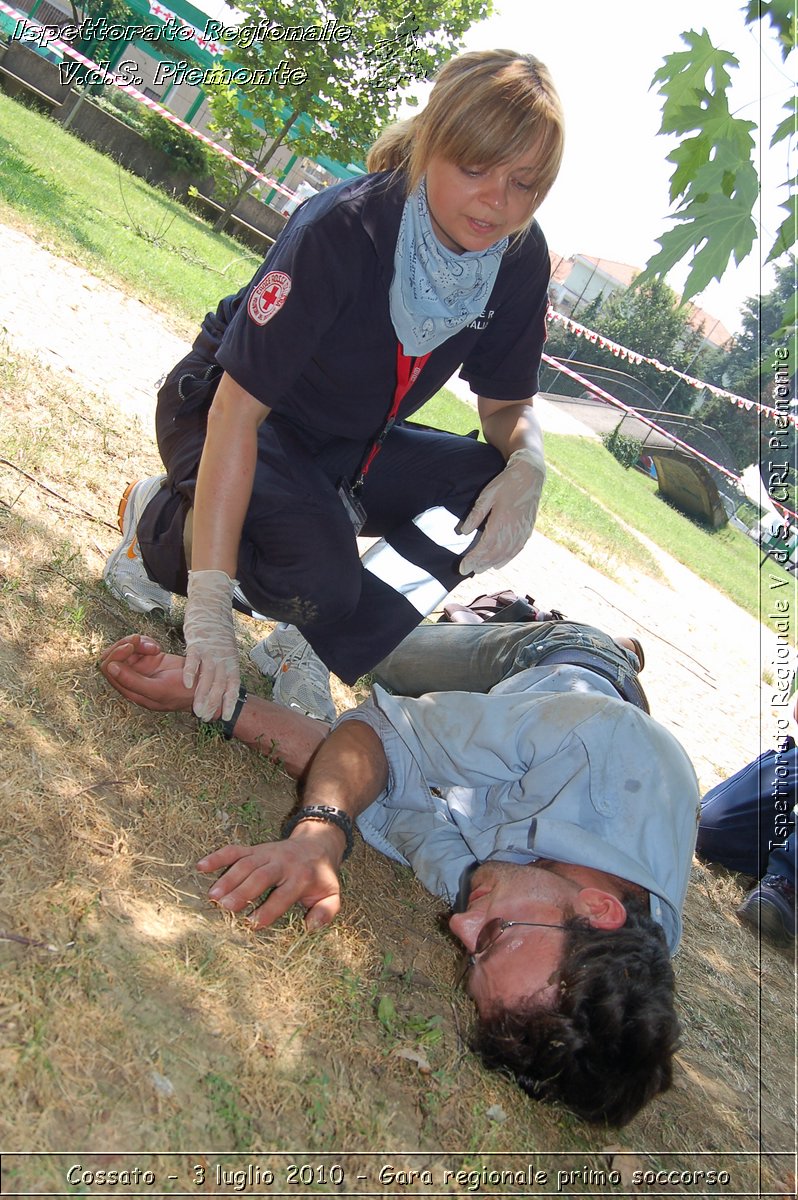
[(226, 474), (510, 427)]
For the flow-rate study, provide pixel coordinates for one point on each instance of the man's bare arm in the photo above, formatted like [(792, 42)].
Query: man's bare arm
[(143, 673), (349, 771)]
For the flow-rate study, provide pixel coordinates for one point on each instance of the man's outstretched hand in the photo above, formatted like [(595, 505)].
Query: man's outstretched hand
[(302, 869), (349, 770), (146, 675)]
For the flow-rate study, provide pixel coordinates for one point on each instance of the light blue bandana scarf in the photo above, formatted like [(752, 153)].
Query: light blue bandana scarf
[(435, 292)]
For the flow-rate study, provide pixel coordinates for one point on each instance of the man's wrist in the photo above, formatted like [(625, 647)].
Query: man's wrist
[(324, 814), (321, 835), (226, 728)]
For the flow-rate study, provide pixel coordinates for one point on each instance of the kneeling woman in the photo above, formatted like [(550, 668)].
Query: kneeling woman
[(282, 432)]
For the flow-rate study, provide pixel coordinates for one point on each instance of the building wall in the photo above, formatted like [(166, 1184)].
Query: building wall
[(585, 282)]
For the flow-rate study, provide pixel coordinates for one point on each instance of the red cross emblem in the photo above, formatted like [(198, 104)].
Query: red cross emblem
[(269, 296)]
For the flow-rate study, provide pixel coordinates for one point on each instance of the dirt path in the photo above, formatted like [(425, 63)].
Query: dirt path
[(705, 656)]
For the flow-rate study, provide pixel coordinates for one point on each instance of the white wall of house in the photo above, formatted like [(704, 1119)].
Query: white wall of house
[(584, 283)]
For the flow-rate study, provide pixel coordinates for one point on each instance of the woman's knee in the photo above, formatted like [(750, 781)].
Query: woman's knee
[(317, 585)]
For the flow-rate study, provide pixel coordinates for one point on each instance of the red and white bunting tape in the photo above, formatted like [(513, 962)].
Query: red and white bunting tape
[(602, 395), (117, 81), (633, 357)]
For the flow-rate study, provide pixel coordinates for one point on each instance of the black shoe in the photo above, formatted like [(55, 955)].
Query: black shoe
[(770, 908)]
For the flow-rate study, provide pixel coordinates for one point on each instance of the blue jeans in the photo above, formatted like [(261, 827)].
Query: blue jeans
[(748, 821), (474, 658)]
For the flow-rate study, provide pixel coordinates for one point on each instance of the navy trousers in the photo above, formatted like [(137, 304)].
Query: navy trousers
[(748, 822), (298, 559)]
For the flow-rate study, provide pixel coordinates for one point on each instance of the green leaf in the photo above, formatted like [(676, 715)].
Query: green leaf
[(696, 157), (712, 230), (787, 233), (386, 1012), (789, 125), (716, 123), (683, 75), (782, 17), (688, 157)]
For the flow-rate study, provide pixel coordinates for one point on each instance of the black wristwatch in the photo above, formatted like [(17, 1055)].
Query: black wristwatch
[(226, 727)]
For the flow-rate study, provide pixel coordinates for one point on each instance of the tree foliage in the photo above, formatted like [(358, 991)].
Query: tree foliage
[(351, 86), (187, 153), (715, 183), (648, 319), (115, 12), (747, 368)]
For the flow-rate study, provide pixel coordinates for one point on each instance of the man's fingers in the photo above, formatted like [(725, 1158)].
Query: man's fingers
[(127, 647), (137, 688), (291, 892), (323, 912), (249, 873), (127, 683), (119, 652), (293, 879), (238, 892), (277, 904), (222, 858)]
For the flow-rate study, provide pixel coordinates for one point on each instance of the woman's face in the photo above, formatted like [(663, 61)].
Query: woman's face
[(472, 207)]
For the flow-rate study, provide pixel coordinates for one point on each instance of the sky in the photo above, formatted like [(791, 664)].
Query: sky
[(611, 197)]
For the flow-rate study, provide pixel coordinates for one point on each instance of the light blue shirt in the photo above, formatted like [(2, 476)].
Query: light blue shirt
[(550, 764)]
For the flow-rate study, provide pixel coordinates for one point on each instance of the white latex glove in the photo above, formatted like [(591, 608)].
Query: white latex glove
[(510, 504), (211, 649)]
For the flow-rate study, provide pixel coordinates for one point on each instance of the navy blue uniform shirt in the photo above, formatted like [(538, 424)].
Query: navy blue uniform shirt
[(311, 335)]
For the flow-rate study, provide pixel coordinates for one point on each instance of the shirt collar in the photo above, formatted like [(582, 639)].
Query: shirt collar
[(382, 212)]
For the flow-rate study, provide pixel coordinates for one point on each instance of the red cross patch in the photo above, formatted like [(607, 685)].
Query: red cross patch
[(269, 296)]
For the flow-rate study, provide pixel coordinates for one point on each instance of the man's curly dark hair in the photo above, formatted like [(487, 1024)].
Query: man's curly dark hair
[(606, 1050)]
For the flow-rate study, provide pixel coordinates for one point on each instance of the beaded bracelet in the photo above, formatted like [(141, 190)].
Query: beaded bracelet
[(328, 813)]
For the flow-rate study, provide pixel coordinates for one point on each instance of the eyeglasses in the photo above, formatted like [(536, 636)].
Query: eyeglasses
[(489, 935)]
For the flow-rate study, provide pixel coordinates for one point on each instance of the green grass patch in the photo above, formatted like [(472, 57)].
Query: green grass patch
[(447, 411), (725, 558), (572, 517), (84, 206)]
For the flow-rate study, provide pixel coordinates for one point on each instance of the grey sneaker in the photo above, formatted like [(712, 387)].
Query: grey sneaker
[(770, 908), (125, 574), (299, 678)]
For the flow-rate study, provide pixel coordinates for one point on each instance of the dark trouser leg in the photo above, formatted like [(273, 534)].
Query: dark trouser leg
[(420, 486), (474, 658), (747, 822), (180, 424), (298, 558)]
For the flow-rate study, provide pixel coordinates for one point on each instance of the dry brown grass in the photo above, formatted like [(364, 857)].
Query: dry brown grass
[(153, 1023)]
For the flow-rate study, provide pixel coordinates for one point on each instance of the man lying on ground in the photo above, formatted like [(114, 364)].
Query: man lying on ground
[(533, 792)]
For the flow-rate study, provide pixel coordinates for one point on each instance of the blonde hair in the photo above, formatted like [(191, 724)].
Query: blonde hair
[(486, 108)]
